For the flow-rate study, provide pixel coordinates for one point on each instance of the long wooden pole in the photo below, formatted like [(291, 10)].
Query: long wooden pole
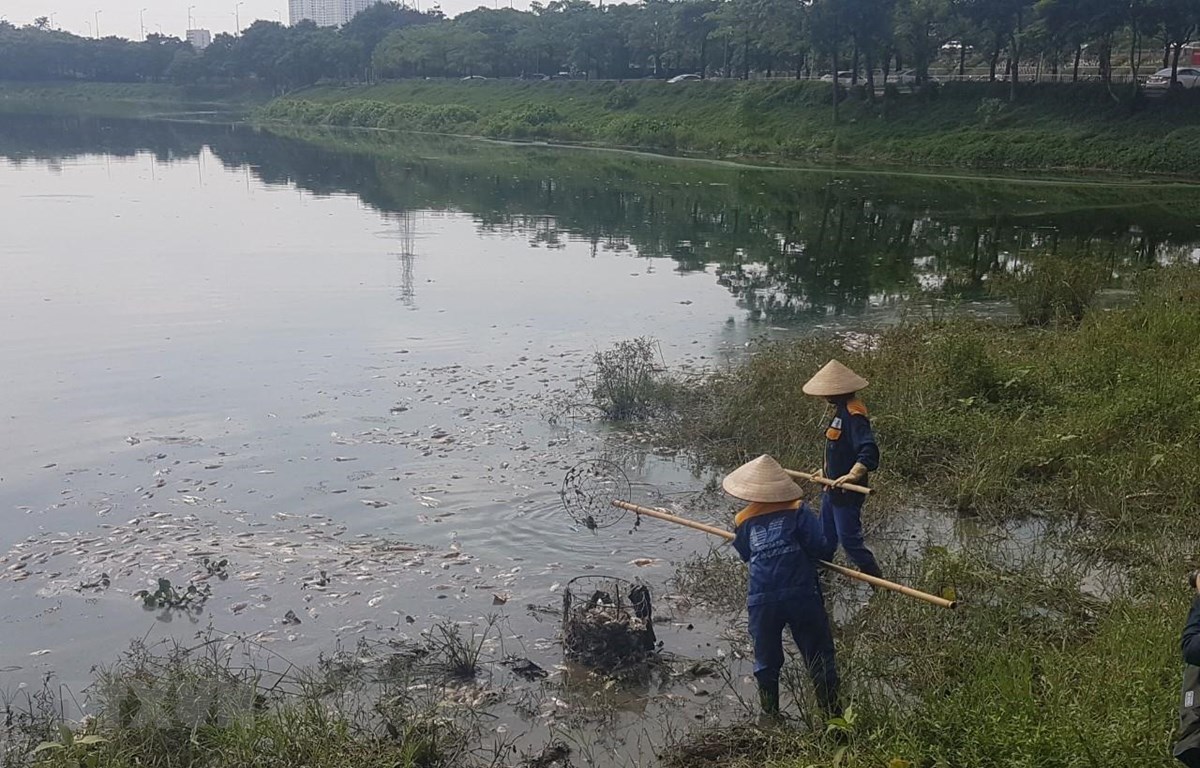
[(864, 490), (659, 514)]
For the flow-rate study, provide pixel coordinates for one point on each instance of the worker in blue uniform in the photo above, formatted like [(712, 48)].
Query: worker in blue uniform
[(851, 453), (782, 539), (1187, 744)]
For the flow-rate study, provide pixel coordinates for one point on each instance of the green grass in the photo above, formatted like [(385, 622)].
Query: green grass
[(1064, 650), (123, 99), (1094, 421), (1028, 672), (228, 703), (1060, 127)]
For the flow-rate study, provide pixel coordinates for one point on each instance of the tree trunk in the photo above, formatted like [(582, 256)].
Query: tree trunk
[(746, 58), (854, 65), (1106, 60), (835, 81), (870, 75), (1134, 38), (1014, 44), (770, 66), (727, 63), (994, 63), (1177, 50), (1075, 69), (704, 57), (962, 59), (887, 66), (1014, 71), (1166, 53)]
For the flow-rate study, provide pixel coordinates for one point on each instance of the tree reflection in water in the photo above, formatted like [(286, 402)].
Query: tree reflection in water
[(786, 243)]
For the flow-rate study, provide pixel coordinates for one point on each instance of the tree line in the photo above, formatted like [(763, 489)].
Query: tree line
[(654, 38)]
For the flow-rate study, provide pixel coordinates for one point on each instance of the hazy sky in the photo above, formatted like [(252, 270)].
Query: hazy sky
[(120, 17)]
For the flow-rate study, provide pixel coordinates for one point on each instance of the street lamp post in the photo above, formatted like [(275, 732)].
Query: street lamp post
[(237, 19), (98, 24), (142, 21), (190, 25)]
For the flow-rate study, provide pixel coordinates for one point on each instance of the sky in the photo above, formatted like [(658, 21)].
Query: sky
[(121, 17)]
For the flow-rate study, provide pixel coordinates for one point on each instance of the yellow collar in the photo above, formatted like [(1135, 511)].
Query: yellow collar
[(757, 508)]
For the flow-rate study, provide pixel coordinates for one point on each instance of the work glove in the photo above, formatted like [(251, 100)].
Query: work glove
[(856, 475)]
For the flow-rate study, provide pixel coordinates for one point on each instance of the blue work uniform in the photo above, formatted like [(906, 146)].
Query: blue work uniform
[(1187, 747), (849, 440), (782, 543)]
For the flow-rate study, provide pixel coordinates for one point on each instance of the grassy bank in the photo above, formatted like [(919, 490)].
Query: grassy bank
[(1060, 127), (1064, 651), (1092, 421), (125, 99), (1028, 672)]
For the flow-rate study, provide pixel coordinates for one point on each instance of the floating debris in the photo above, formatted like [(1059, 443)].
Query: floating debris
[(525, 668)]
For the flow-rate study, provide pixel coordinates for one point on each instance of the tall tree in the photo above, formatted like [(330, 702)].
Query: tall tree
[(922, 27), (694, 27)]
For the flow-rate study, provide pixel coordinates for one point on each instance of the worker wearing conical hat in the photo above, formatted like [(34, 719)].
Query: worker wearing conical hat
[(782, 539), (850, 454)]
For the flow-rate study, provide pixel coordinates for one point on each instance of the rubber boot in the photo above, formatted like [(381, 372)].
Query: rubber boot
[(768, 698)]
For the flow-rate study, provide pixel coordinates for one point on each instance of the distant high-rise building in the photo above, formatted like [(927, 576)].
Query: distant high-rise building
[(199, 38), (326, 13)]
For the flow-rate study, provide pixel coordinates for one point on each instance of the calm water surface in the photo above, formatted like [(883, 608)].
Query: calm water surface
[(349, 353)]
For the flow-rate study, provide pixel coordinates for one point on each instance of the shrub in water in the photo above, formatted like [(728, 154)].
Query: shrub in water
[(627, 382)]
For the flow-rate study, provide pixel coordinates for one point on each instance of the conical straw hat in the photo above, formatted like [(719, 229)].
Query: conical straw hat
[(834, 379), (761, 480)]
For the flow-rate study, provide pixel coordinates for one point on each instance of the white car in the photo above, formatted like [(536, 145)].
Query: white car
[(1186, 77), (844, 78), (684, 78)]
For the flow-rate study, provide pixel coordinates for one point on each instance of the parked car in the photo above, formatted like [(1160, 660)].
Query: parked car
[(907, 77), (844, 78), (1185, 77), (536, 76), (474, 77), (684, 78)]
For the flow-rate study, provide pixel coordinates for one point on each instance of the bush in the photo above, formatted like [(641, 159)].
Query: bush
[(1053, 289), (989, 110), (534, 120), (628, 380), (362, 113), (637, 131), (620, 98)]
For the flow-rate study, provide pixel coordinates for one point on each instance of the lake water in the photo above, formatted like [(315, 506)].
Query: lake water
[(344, 362)]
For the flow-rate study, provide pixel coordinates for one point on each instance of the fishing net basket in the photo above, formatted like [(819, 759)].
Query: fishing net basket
[(608, 623)]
